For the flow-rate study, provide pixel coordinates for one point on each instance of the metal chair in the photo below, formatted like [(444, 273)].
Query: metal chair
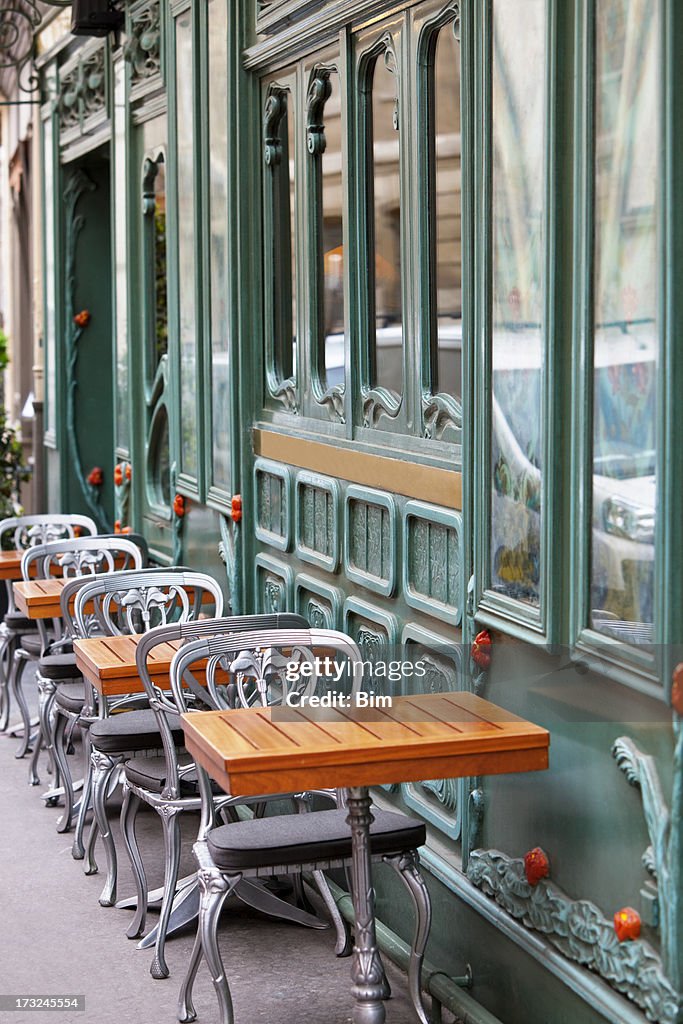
[(228, 854), (135, 603), (171, 790), (68, 558), (20, 533), (115, 599)]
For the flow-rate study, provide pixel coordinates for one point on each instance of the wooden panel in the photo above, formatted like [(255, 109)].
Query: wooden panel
[(444, 486), (430, 735), (109, 663), (10, 565)]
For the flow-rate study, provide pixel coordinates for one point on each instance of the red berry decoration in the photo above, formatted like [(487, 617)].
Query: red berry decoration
[(677, 689), (480, 651), (117, 526), (536, 865), (96, 477), (82, 319), (627, 924), (179, 506), (129, 471), (236, 508), (118, 474)]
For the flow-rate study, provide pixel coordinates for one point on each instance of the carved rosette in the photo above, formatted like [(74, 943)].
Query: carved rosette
[(580, 931)]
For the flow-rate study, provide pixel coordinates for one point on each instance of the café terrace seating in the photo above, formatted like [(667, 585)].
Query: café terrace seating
[(219, 663)]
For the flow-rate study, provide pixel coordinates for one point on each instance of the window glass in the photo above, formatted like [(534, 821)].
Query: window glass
[(50, 242), (518, 146), (332, 239), (626, 267), (280, 147), (186, 243), (121, 268), (157, 269), (218, 214), (446, 228), (385, 252)]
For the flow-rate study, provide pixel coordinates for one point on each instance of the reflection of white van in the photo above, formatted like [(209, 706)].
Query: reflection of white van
[(390, 357), (624, 471)]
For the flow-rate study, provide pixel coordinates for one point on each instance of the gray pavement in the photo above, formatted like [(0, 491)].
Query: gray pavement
[(55, 939)]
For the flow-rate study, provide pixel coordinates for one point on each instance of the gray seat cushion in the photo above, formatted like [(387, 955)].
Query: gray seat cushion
[(18, 624), (59, 666), (71, 697), (300, 838), (32, 644), (130, 730), (150, 773)]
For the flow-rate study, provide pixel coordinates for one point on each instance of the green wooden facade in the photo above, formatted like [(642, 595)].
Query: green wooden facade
[(402, 277)]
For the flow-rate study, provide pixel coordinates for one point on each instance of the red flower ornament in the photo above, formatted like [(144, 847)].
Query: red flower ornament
[(117, 526), (179, 506), (129, 471), (96, 477), (236, 508), (118, 474), (677, 689), (480, 652), (82, 319), (536, 865), (627, 924)]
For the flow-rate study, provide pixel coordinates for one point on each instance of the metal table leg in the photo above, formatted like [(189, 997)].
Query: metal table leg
[(367, 973)]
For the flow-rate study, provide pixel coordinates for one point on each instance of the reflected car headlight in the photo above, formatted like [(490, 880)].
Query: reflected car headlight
[(624, 519)]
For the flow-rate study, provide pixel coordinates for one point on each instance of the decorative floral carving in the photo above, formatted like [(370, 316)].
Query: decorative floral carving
[(274, 594), (579, 930), (319, 91), (274, 110), (96, 476), (82, 90), (439, 412), (229, 551), (143, 47)]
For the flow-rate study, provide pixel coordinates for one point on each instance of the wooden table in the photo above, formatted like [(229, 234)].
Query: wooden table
[(10, 565), (428, 736), (109, 664), (39, 599)]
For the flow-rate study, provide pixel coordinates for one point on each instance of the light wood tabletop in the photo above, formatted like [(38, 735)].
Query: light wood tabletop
[(109, 663), (10, 565), (427, 736), (39, 599)]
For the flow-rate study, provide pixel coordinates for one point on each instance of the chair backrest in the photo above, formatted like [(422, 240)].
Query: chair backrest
[(81, 556), (137, 601), (28, 531), (232, 626)]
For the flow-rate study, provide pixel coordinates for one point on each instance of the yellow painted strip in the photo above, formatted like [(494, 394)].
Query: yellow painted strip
[(427, 483)]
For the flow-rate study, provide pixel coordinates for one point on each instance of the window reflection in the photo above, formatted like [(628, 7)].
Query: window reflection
[(218, 213), (625, 318), (446, 230), (160, 341), (280, 144), (332, 240), (186, 242), (518, 82), (387, 354)]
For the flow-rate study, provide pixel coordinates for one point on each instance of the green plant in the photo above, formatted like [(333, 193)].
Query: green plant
[(4, 355), (13, 469)]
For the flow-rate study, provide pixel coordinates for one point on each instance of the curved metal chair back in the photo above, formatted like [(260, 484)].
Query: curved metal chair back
[(137, 601), (232, 628), (84, 555), (27, 531)]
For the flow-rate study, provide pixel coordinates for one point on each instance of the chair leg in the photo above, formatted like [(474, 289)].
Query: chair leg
[(16, 675), (103, 768), (129, 810), (77, 848), (344, 944), (214, 887), (89, 862), (407, 866), (170, 818), (61, 761), (46, 697), (6, 656)]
